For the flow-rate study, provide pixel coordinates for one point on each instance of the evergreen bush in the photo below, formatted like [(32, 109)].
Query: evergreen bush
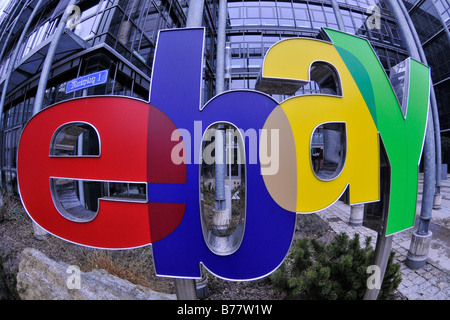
[(334, 271)]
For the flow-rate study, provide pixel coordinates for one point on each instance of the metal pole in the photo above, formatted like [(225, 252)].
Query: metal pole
[(421, 237), (221, 37), (420, 241), (438, 148), (195, 13), (428, 191), (382, 253), (337, 13), (40, 233), (186, 288), (46, 67), (434, 109), (220, 163)]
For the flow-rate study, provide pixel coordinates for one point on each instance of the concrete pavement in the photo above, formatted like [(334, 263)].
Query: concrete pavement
[(432, 282)]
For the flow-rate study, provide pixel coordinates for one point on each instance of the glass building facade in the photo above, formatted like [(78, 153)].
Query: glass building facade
[(120, 36), (254, 26)]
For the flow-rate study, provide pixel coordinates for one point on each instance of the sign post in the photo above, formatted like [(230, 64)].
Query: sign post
[(382, 253), (185, 289)]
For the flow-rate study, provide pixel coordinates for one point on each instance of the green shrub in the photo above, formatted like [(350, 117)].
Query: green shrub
[(11, 208), (338, 270)]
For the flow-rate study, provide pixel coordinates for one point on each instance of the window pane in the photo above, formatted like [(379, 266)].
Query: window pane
[(285, 13), (318, 16), (268, 12), (75, 139)]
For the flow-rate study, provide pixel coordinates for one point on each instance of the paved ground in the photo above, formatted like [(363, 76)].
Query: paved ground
[(431, 282)]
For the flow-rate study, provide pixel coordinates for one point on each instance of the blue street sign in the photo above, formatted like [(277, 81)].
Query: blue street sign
[(87, 81)]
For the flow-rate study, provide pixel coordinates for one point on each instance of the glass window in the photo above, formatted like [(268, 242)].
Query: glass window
[(348, 23), (285, 13), (330, 160), (287, 23), (255, 63), (19, 112), (330, 16), (301, 15), (234, 13), (437, 52), (269, 22), (252, 22), (317, 15), (359, 20), (237, 84), (426, 20), (87, 28), (443, 7), (255, 50), (75, 139), (238, 63), (41, 33), (252, 12), (268, 16), (69, 199), (124, 190)]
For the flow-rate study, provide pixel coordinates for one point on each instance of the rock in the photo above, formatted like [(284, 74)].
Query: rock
[(40, 278)]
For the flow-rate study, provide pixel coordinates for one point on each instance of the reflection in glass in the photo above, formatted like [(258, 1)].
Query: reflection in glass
[(222, 188), (78, 200), (327, 77), (75, 139), (328, 150), (70, 202)]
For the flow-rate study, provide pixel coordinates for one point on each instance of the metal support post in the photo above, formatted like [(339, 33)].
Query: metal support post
[(47, 65), (195, 13), (227, 66), (419, 55), (421, 238), (356, 215), (221, 217), (185, 289), (382, 253), (221, 212), (40, 233), (337, 11), (420, 241), (438, 150), (221, 37)]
